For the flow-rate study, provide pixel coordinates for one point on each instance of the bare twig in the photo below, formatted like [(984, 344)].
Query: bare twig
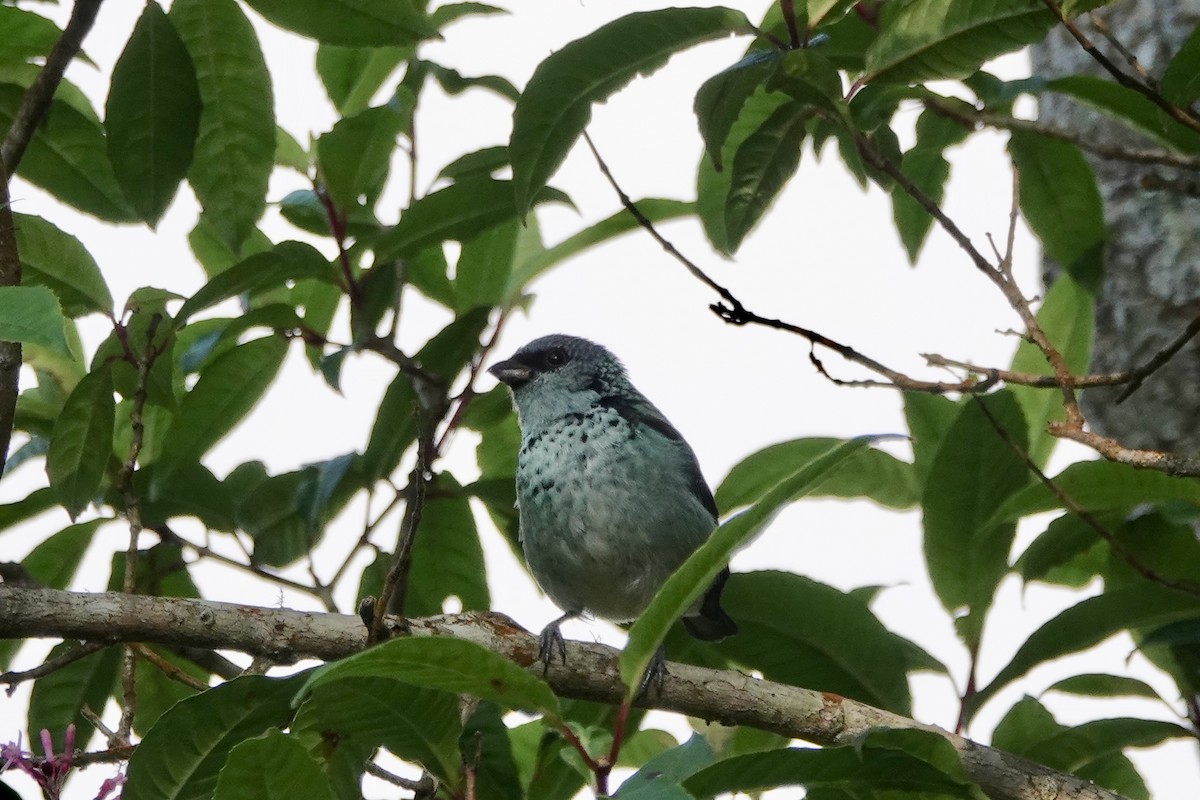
[(1132, 60), (1188, 187), (10, 352), (395, 585), (1170, 463), (1182, 116), (468, 394), (83, 650), (1139, 375), (167, 668), (169, 535), (1085, 516), (36, 100), (424, 784), (133, 513), (971, 118)]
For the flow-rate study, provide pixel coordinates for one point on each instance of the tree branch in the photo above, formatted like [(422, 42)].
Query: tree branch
[(590, 671), (10, 352), (36, 100)]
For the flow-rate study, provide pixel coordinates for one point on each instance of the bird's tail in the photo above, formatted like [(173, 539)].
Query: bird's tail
[(712, 624)]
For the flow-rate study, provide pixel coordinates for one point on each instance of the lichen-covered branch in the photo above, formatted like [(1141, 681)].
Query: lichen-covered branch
[(590, 672)]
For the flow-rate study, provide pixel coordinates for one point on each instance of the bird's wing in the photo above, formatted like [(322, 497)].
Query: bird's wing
[(638, 411)]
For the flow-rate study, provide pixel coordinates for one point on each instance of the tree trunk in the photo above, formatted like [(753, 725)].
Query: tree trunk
[(1151, 287)]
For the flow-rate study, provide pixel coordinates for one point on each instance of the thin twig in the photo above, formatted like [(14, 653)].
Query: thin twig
[(1085, 516), (108, 733), (10, 352), (395, 585), (170, 670), (1180, 115), (972, 118), (424, 784), (36, 100), (788, 9), (1132, 60), (169, 535), (1139, 375), (336, 221), (133, 513), (83, 650), (468, 394)]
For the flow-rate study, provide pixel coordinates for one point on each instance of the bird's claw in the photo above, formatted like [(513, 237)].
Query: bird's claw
[(551, 641), (656, 674)]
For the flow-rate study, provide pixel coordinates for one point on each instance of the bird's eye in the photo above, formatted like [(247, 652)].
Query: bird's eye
[(556, 357)]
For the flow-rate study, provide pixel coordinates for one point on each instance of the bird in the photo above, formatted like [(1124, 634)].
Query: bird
[(610, 497)]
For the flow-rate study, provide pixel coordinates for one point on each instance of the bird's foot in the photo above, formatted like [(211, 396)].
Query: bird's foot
[(550, 642), (656, 674)]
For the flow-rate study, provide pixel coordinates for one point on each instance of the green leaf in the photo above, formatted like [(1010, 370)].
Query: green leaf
[(720, 99), (762, 164), (235, 146), (1088, 623), (458, 212), (181, 756), (929, 418), (395, 427), (837, 645), (271, 515), (354, 157), (82, 443), (55, 259), (1067, 316), (35, 503), (152, 114), (354, 23), (682, 588), (1060, 201), (555, 107), (863, 771), (454, 665), (714, 190), (876, 475), (31, 314), (287, 261), (304, 209), (447, 555), (1082, 744), (352, 75), (1095, 684), (1181, 80), (659, 779), (926, 165), (54, 561), (57, 698), (26, 35), (1028, 726), (67, 157), (1100, 486), (228, 388), (156, 692), (484, 265), (479, 163), (214, 254), (974, 472), (272, 767), (1069, 552), (485, 741), (414, 723), (654, 209), (926, 39), (1129, 107)]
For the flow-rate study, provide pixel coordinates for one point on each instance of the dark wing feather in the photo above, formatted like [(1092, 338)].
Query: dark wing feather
[(637, 410)]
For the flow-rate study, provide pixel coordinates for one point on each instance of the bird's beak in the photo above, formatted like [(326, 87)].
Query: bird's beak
[(510, 372)]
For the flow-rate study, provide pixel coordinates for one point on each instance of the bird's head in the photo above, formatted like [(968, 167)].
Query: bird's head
[(558, 374)]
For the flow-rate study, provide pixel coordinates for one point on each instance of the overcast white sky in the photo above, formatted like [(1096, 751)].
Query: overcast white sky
[(826, 258)]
